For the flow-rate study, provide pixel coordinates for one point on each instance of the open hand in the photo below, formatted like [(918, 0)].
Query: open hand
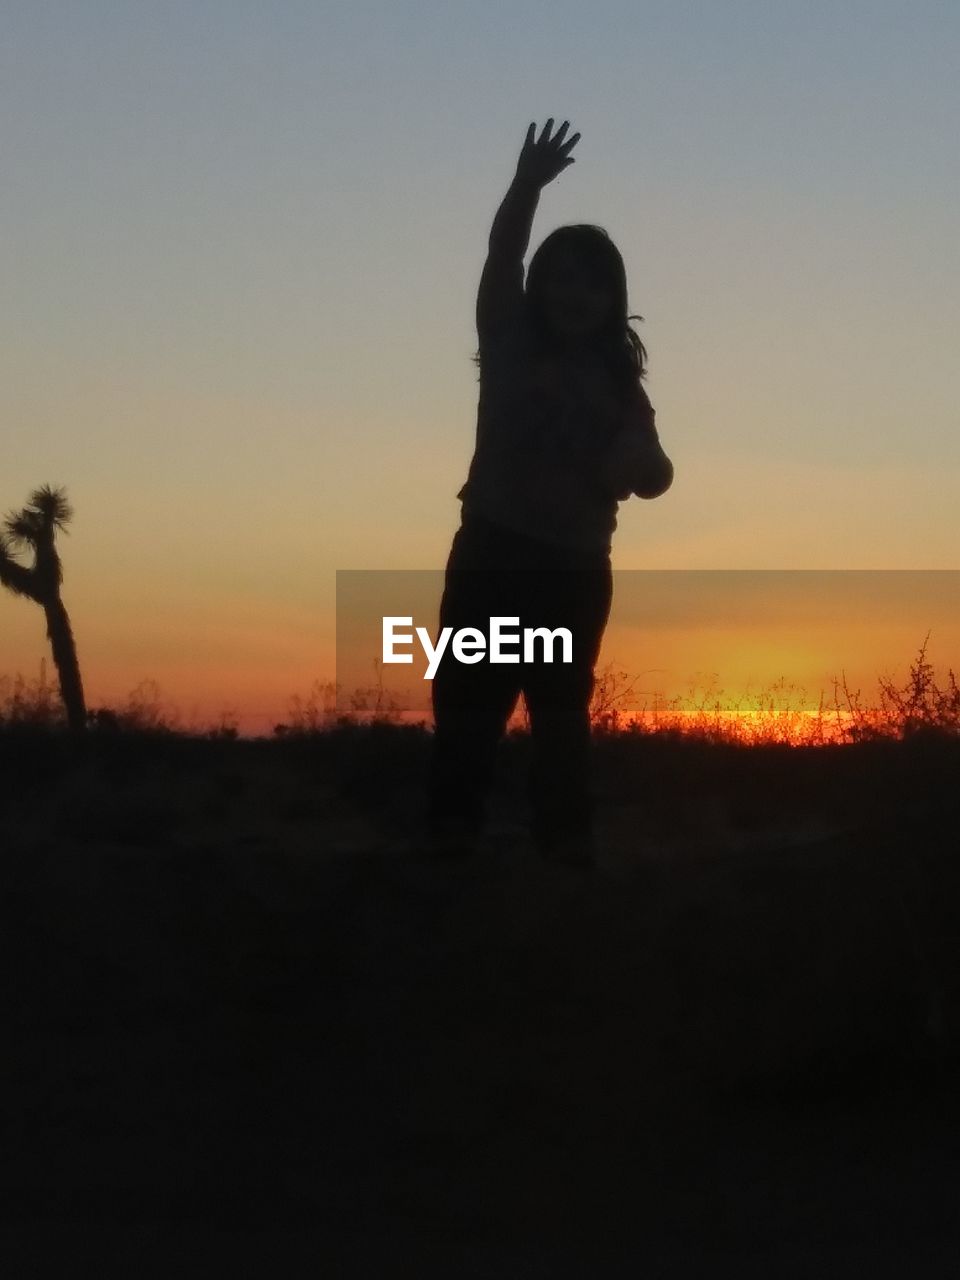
[(543, 158)]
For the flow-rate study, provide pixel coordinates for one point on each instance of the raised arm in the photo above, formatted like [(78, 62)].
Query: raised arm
[(500, 294), (501, 282)]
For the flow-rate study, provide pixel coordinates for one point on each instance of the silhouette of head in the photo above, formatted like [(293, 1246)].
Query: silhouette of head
[(576, 298), (577, 288), (574, 282)]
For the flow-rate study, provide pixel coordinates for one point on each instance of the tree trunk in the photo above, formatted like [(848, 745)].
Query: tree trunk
[(65, 658)]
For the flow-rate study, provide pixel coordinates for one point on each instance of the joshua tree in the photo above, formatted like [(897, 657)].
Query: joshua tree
[(34, 526)]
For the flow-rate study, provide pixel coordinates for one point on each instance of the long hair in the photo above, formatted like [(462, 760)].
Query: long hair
[(625, 354)]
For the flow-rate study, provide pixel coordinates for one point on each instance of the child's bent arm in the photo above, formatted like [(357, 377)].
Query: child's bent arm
[(653, 471), (500, 294), (635, 463)]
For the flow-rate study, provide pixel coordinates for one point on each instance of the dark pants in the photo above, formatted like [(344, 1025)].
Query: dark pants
[(492, 571)]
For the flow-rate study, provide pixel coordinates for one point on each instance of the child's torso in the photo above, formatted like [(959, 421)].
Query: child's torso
[(543, 424)]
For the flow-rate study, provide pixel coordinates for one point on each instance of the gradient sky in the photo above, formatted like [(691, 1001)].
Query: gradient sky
[(240, 250)]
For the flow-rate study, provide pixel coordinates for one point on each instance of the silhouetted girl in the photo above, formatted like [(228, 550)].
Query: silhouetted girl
[(565, 431)]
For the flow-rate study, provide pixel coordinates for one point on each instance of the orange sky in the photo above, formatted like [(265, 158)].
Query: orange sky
[(677, 631)]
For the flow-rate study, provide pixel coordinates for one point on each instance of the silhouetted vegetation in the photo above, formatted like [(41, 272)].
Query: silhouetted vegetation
[(779, 713), (34, 528)]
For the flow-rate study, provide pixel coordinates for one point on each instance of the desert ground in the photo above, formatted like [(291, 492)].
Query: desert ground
[(249, 1032)]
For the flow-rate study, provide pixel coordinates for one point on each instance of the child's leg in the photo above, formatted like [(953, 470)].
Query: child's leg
[(471, 702), (558, 700), (470, 716)]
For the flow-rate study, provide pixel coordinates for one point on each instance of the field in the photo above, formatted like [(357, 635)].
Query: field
[(247, 1033)]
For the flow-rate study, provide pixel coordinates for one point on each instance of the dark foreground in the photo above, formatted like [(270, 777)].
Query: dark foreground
[(244, 1035)]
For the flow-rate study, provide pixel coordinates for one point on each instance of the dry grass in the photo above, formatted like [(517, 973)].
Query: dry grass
[(780, 713)]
